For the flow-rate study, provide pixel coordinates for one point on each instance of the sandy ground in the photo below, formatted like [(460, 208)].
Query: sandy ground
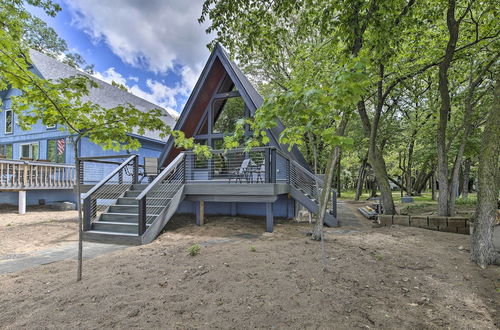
[(376, 278), (40, 228)]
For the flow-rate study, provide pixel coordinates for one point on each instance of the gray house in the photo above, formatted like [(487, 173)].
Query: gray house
[(267, 181)]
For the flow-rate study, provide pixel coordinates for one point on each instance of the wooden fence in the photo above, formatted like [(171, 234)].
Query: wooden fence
[(25, 175)]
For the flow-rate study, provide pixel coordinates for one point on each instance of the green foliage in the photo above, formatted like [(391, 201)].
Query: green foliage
[(193, 250), (65, 101), (313, 60), (252, 248)]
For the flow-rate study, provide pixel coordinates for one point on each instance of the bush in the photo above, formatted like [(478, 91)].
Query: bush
[(252, 249), (194, 250)]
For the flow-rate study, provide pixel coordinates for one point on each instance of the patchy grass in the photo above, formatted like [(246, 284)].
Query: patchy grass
[(422, 205), (194, 250)]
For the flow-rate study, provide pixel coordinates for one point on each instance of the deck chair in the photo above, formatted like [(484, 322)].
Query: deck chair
[(150, 168), (261, 172), (240, 172)]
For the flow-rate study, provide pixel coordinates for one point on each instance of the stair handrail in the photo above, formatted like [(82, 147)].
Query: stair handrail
[(172, 167), (90, 205), (109, 176), (163, 174)]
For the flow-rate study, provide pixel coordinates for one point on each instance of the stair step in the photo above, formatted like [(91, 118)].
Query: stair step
[(133, 201), (132, 193), (119, 217), (112, 237), (115, 227), (133, 209), (139, 186)]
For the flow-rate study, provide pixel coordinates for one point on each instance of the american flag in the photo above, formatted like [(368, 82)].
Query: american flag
[(60, 146)]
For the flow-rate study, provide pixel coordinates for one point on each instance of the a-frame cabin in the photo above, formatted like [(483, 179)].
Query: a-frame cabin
[(267, 181)]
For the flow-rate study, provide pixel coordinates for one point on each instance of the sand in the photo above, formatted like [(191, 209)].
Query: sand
[(376, 278), (40, 228)]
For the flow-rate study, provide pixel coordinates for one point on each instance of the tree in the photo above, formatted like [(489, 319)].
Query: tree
[(482, 250), (65, 101)]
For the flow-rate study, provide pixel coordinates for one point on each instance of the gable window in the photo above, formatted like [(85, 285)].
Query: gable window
[(9, 122), (29, 150), (56, 150), (226, 113), (6, 151)]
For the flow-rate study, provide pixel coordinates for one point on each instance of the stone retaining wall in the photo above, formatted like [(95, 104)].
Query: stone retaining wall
[(449, 224)]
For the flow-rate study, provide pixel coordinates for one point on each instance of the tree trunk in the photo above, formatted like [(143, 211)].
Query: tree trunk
[(433, 185), (338, 174), (466, 128), (79, 206), (466, 178), (375, 157), (325, 195), (327, 184), (482, 250), (361, 179), (378, 164), (409, 185), (445, 109)]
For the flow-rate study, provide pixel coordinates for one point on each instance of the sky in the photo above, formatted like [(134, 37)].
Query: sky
[(156, 48)]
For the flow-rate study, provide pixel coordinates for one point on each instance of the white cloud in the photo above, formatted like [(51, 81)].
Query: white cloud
[(111, 75), (154, 33), (156, 92)]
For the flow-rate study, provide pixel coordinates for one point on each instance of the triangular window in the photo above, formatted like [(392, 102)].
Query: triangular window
[(226, 113)]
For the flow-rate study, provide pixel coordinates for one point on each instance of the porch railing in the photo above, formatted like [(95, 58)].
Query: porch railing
[(19, 174)]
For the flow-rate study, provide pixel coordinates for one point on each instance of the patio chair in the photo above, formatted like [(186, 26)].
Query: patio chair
[(240, 172), (261, 172), (150, 168)]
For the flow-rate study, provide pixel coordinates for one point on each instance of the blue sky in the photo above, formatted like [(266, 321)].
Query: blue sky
[(156, 47)]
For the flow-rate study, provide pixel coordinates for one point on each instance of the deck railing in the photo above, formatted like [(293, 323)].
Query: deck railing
[(233, 166), (25, 175)]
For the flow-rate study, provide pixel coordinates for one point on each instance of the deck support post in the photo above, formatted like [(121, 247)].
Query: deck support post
[(269, 217), (22, 202), (200, 213)]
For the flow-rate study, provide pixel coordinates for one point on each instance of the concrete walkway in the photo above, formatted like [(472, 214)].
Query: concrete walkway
[(349, 216), (67, 251)]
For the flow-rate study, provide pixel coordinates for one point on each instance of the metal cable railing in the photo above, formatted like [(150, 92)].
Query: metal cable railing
[(94, 169), (155, 200), (230, 166), (108, 190)]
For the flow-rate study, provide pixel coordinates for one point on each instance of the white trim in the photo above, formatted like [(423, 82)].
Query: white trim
[(30, 150), (12, 122)]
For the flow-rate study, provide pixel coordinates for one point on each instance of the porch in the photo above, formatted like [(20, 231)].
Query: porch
[(21, 176)]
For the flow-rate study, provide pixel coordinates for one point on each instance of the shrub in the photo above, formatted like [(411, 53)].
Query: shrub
[(252, 248), (194, 249)]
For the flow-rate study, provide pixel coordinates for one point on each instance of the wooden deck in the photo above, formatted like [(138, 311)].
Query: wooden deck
[(20, 175)]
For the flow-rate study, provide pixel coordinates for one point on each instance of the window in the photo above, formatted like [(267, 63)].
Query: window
[(51, 126), (56, 150), (9, 122), (29, 150), (6, 151), (226, 113)]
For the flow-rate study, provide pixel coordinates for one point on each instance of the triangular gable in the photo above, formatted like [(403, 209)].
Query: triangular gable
[(215, 70)]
